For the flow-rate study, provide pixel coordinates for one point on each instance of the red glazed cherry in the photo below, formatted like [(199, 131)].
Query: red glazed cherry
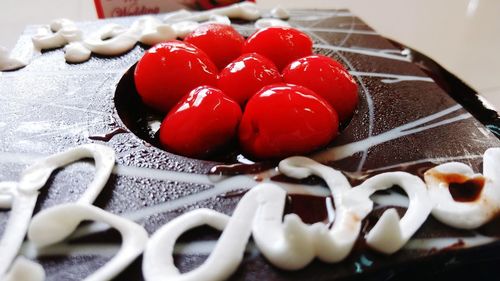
[(222, 43), (283, 120), (327, 78), (201, 123), (168, 71), (246, 75), (282, 45)]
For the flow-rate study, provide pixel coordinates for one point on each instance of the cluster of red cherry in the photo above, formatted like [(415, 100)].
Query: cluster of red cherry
[(269, 91)]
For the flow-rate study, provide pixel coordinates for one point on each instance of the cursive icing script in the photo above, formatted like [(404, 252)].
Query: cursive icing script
[(284, 240), (56, 223), (114, 39), (290, 244)]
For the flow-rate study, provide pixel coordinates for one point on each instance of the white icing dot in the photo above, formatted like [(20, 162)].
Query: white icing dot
[(280, 13), (7, 62), (183, 28), (25, 270), (161, 33), (263, 23), (75, 52)]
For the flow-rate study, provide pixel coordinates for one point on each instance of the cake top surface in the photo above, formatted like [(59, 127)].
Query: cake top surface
[(404, 122)]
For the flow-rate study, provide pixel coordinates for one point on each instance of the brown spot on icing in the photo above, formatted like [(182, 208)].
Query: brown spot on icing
[(462, 188)]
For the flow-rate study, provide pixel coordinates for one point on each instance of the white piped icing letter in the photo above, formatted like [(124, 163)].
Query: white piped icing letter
[(57, 223), (60, 33), (466, 215), (390, 233), (34, 178)]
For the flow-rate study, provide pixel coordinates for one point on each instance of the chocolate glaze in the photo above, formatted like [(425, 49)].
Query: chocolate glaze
[(75, 101)]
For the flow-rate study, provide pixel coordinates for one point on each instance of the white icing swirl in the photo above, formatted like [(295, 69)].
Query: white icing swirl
[(57, 223), (34, 178), (60, 33)]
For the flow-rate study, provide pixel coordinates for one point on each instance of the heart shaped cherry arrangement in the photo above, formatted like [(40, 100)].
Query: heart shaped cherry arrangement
[(203, 83)]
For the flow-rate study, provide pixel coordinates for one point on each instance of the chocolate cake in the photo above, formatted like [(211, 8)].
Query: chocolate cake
[(405, 121)]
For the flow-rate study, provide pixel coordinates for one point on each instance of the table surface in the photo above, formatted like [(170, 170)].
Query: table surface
[(461, 35)]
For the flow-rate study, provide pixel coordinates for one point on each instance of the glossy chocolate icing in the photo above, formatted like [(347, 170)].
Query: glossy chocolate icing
[(50, 106)]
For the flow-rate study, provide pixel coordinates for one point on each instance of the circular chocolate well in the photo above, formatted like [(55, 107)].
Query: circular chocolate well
[(145, 122)]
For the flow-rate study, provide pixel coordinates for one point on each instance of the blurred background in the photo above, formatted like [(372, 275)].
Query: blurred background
[(461, 35)]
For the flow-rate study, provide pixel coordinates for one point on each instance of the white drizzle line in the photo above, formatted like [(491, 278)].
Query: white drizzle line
[(443, 243), (109, 250), (161, 174), (320, 29), (340, 30), (392, 78), (369, 101), (413, 127), (363, 51), (205, 247)]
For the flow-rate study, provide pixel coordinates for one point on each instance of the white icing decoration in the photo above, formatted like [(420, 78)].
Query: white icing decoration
[(288, 243), (280, 13), (25, 270), (7, 62), (34, 178), (161, 33), (15, 229), (75, 52), (183, 28), (8, 190), (390, 234), (57, 223), (219, 19), (114, 39), (65, 31), (178, 15), (263, 23), (467, 215)]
